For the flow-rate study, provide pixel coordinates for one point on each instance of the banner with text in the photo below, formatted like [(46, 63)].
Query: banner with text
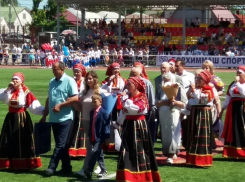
[(196, 61)]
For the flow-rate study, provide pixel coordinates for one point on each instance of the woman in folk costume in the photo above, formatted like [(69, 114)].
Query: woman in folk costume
[(234, 131), (200, 137), (217, 83), (17, 149), (143, 74), (137, 160), (115, 84), (169, 114), (77, 149)]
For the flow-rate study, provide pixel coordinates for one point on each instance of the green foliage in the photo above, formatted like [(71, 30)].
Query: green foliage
[(7, 2), (240, 8), (134, 9), (46, 18)]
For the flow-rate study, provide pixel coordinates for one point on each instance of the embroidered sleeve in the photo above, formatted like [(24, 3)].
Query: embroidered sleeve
[(142, 103), (33, 104), (137, 105), (130, 108), (203, 96), (241, 88)]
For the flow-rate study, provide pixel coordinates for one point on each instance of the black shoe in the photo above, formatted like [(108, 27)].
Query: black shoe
[(88, 174), (102, 174), (64, 171)]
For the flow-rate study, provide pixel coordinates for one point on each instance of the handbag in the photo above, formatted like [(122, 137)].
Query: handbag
[(42, 137)]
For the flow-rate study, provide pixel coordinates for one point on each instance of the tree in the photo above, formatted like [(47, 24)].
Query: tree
[(7, 2), (239, 8), (46, 18)]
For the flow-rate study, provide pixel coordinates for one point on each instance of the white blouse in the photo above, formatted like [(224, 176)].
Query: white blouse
[(241, 89), (34, 106), (115, 89)]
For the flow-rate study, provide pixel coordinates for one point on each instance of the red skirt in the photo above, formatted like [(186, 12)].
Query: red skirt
[(234, 129)]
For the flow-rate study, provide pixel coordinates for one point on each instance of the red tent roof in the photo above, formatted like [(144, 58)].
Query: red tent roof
[(71, 18), (241, 17)]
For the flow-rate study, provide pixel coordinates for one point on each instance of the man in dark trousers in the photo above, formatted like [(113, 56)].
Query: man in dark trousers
[(62, 94)]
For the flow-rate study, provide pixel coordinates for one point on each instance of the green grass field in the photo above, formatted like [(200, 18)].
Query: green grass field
[(223, 170)]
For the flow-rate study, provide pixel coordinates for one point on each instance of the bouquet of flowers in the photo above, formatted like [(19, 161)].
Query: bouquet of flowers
[(171, 90)]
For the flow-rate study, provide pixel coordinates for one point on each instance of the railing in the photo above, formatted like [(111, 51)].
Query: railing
[(147, 60)]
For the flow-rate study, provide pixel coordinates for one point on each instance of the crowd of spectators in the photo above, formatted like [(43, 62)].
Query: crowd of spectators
[(156, 38)]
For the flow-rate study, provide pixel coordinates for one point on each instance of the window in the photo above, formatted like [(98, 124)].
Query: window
[(24, 16)]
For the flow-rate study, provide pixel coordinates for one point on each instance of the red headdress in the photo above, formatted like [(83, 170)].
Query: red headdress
[(81, 68), (171, 61), (206, 76), (241, 69), (20, 76), (109, 71), (139, 83), (143, 74)]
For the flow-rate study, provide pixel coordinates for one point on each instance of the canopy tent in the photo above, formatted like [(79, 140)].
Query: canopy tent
[(145, 18), (109, 16), (88, 15), (221, 12)]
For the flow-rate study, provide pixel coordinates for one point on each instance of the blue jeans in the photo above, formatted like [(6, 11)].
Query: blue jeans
[(97, 60), (43, 62), (61, 150), (70, 63), (13, 58), (96, 155)]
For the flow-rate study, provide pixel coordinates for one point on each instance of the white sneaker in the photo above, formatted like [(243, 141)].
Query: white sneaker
[(81, 173), (170, 161), (97, 170), (175, 156)]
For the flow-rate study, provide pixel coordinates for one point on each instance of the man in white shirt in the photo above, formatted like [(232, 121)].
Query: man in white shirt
[(97, 54), (19, 50), (14, 54), (186, 77), (92, 58)]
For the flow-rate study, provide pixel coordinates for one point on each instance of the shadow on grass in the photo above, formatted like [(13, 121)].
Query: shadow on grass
[(36, 172), (228, 159), (182, 166), (91, 180), (46, 156)]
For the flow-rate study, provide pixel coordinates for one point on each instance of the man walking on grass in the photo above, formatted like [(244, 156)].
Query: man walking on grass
[(62, 93)]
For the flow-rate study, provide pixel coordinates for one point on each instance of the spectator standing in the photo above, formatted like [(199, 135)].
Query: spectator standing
[(14, 54), (19, 50)]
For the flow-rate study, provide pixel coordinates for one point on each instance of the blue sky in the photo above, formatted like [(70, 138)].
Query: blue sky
[(28, 3)]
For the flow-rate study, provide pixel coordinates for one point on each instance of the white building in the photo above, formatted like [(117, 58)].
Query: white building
[(24, 17), (3, 23)]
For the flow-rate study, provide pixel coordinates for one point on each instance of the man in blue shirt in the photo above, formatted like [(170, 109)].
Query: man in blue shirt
[(62, 94)]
